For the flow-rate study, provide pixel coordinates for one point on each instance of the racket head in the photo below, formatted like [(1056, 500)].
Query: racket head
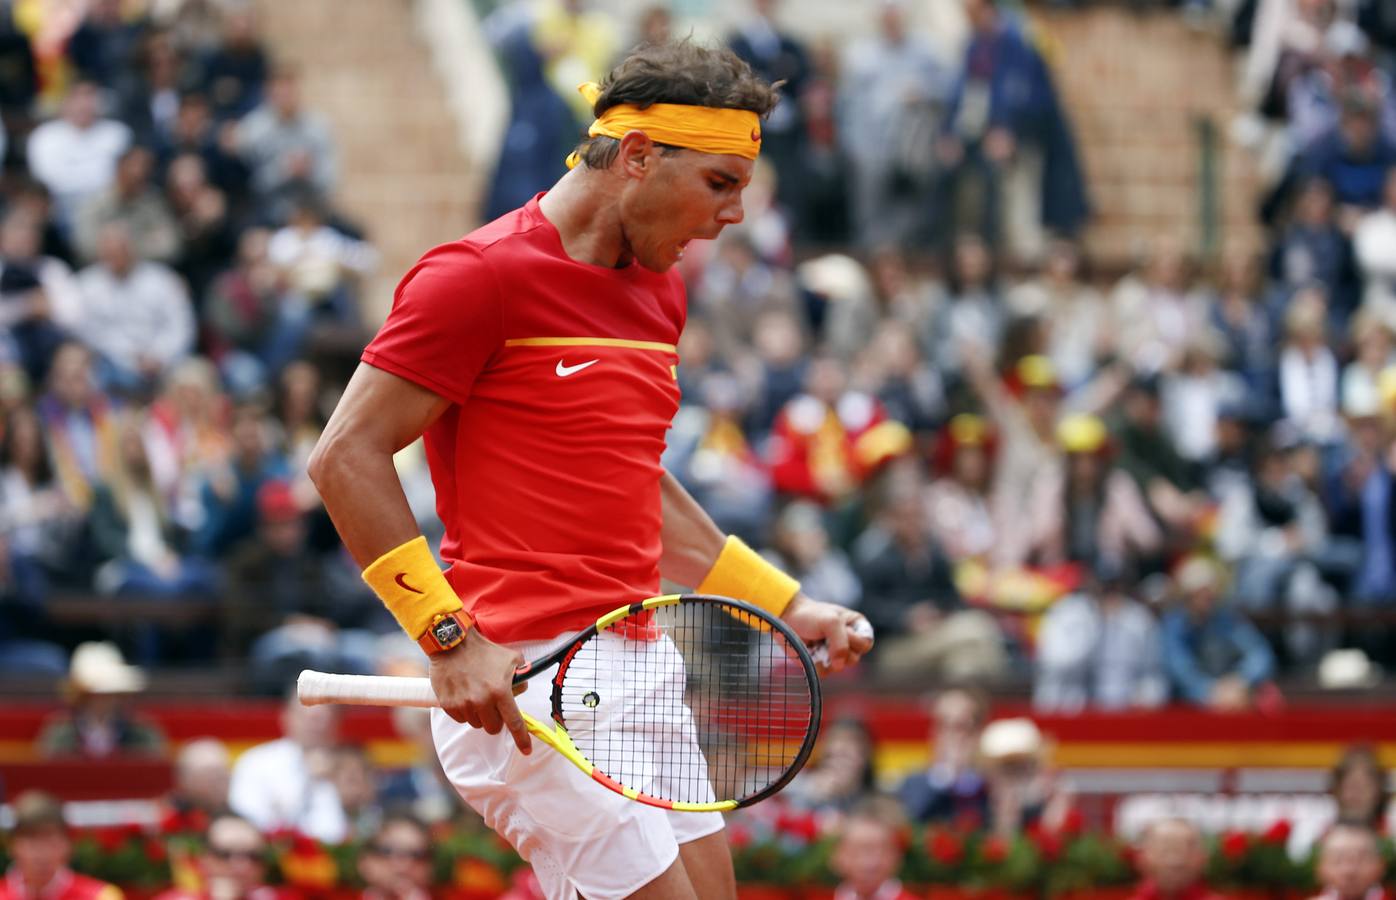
[(689, 702)]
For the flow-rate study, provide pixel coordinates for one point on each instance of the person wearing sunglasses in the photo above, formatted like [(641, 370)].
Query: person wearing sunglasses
[(396, 863), (233, 865)]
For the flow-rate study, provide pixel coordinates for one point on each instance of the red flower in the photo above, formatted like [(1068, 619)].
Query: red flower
[(994, 849), (109, 839), (198, 820), (1234, 845), (1073, 823), (303, 845), (1048, 843), (1278, 833), (798, 825), (155, 850), (738, 836), (281, 835), (945, 848), (172, 822)]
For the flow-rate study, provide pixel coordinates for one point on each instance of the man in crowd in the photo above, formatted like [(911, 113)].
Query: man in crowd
[(41, 849), (395, 864), (1350, 866), (1171, 859)]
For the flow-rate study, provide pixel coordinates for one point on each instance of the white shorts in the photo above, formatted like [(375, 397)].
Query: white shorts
[(578, 836)]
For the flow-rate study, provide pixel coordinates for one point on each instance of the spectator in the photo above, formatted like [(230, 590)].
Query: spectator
[(1147, 453), (842, 294), (37, 293), (232, 865), (893, 93), (801, 546), (80, 425), (135, 534), (134, 201), (1023, 790), (958, 509), (976, 316), (579, 45), (1372, 340), (97, 724), (196, 133), (893, 370), (872, 845), (1350, 864), (151, 97), (1085, 506), (738, 288), (778, 367), (1214, 657), (1312, 248), (777, 56), (1359, 788), (75, 156), (1376, 581), (202, 772), (1273, 531), (1156, 311), (40, 850), (1309, 368), (827, 441), (356, 784), (320, 263), (40, 523), (186, 438), (1074, 313), (843, 773), (1246, 327), (285, 145), (1006, 130), (396, 861), (135, 314), (287, 783), (255, 324), (1172, 859), (1374, 248), (104, 45), (1099, 647), (423, 787), (1194, 396), (289, 608), (229, 496), (952, 789), (206, 223), (235, 72), (1353, 157)]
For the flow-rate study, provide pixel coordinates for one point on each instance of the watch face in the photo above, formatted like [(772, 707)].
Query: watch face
[(447, 632)]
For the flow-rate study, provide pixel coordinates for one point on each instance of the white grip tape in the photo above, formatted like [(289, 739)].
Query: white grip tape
[(820, 653), (315, 688)]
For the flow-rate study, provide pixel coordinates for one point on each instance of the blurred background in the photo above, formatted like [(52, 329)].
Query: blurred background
[(1057, 339)]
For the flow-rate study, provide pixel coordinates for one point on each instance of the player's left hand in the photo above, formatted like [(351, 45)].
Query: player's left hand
[(831, 625)]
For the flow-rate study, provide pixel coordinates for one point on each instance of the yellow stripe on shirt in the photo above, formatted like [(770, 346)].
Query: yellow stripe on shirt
[(590, 342)]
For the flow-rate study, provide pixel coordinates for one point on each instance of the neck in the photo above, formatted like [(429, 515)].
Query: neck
[(582, 207)]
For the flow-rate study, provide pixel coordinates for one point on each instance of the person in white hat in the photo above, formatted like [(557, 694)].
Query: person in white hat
[(98, 723), (1023, 790)]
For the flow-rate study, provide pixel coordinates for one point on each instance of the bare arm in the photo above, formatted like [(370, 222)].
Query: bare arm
[(352, 466), (692, 542)]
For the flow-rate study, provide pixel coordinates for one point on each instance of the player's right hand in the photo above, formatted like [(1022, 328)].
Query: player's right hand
[(474, 683)]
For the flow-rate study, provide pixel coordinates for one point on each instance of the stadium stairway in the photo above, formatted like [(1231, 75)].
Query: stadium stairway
[(402, 173), (1139, 88)]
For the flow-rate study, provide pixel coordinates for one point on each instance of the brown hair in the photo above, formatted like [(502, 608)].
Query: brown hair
[(677, 72)]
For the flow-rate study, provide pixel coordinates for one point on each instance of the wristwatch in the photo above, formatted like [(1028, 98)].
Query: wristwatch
[(446, 631)]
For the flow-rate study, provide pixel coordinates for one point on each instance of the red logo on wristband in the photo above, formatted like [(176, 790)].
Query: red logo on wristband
[(402, 583)]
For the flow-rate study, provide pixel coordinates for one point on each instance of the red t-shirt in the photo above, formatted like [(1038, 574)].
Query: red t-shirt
[(66, 885), (561, 377)]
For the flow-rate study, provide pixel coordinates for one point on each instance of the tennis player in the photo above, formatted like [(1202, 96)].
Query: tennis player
[(537, 355)]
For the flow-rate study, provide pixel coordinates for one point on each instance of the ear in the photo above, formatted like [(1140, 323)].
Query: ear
[(636, 157)]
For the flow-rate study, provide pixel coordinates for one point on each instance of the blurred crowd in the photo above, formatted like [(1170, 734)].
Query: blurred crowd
[(991, 785)]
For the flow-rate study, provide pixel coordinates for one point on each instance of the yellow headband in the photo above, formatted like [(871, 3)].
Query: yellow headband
[(702, 128)]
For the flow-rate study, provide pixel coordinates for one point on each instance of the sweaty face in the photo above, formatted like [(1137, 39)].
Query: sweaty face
[(678, 196)]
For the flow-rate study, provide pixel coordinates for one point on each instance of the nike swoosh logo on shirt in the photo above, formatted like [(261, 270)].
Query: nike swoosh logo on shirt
[(563, 371)]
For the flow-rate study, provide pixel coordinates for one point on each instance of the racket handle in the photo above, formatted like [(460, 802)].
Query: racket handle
[(820, 653), (314, 688)]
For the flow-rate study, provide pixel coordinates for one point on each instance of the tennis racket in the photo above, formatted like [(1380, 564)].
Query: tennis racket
[(685, 701)]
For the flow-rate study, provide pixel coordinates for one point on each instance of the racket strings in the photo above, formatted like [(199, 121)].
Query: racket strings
[(716, 708)]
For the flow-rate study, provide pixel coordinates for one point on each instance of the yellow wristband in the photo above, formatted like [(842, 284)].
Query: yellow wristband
[(409, 582), (741, 573)]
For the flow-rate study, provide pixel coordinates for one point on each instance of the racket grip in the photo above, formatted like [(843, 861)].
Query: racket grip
[(820, 653), (315, 688)]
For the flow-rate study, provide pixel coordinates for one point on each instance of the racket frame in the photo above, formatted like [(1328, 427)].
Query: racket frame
[(555, 734)]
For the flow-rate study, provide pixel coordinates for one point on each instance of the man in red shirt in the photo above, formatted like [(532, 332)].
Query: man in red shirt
[(41, 849), (1172, 859), (871, 849), (1350, 866), (537, 356)]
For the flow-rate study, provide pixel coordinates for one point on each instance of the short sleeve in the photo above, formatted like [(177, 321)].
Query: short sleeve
[(444, 325)]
